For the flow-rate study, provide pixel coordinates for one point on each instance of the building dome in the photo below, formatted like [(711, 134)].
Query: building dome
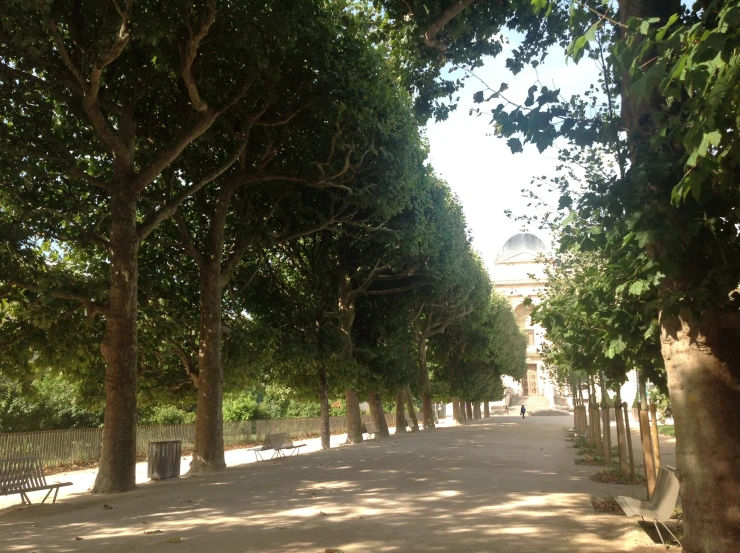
[(523, 241)]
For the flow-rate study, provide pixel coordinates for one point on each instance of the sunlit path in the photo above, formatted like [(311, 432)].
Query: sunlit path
[(501, 484)]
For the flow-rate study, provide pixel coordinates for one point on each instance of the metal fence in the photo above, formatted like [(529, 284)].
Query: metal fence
[(66, 447)]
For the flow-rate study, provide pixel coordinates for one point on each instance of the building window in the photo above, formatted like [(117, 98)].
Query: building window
[(530, 337)]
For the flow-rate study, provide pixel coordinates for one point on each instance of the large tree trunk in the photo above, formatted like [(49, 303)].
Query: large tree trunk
[(400, 413), (703, 365), (346, 321), (456, 417), (324, 402), (117, 472), (376, 411), (412, 411), (427, 409), (469, 411), (476, 410), (486, 410), (463, 412), (208, 452), (354, 417)]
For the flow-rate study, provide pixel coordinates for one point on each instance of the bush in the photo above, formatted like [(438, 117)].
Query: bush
[(337, 408), (50, 403), (165, 414), (242, 407)]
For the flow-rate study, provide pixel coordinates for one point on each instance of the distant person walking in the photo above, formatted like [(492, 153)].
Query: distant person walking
[(523, 410)]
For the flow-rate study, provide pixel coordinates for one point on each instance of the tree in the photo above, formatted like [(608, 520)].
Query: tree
[(670, 72), (472, 356), (98, 101)]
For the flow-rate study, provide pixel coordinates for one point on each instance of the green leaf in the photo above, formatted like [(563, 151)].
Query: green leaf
[(638, 287), (515, 145)]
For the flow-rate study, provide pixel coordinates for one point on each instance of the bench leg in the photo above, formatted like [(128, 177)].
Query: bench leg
[(25, 499), (47, 495), (55, 496), (656, 522)]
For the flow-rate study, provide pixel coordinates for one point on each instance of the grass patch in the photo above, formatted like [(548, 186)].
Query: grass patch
[(667, 430)]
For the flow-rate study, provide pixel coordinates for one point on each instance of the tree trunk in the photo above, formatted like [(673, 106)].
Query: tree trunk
[(647, 446), (703, 366), (621, 436), (476, 410), (324, 402), (456, 416), (628, 433), (354, 417), (376, 411), (346, 321), (607, 429), (463, 412), (486, 410), (469, 411), (412, 411), (427, 409), (208, 452), (654, 435), (117, 472), (400, 413)]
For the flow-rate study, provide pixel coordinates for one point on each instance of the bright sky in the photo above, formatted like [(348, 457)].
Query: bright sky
[(480, 168)]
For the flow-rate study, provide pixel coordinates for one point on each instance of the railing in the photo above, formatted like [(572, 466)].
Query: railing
[(78, 445)]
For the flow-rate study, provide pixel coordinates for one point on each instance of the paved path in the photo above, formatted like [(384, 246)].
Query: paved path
[(501, 484)]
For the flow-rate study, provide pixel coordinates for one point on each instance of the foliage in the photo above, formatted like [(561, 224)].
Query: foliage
[(49, 403), (165, 414)]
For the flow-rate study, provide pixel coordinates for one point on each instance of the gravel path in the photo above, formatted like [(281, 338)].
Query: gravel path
[(497, 485)]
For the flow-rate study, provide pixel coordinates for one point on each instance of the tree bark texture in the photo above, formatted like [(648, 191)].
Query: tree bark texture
[(346, 321), (486, 410), (400, 413), (117, 472), (463, 412), (208, 453), (324, 402), (456, 410), (469, 411), (476, 410), (376, 411), (703, 365), (354, 418), (412, 410), (622, 437)]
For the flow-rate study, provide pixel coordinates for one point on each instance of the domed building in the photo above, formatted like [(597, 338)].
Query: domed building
[(517, 274)]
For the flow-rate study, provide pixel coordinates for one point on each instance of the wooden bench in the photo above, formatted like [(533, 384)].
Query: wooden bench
[(277, 443), (25, 475), (661, 504), (371, 429)]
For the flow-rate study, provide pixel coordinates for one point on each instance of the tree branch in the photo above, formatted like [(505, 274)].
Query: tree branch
[(92, 307), (430, 36), (188, 243), (189, 51), (169, 208)]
